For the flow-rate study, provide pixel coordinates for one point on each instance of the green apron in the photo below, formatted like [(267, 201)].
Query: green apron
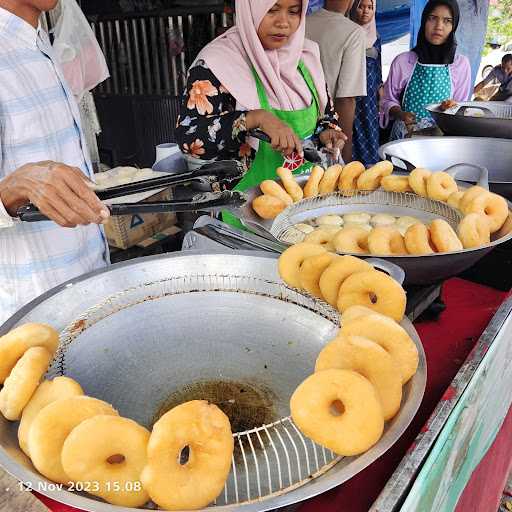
[(267, 160)]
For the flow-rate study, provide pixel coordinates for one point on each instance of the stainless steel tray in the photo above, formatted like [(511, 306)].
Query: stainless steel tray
[(140, 332)]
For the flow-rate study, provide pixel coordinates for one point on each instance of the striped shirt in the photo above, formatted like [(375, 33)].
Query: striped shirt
[(39, 120)]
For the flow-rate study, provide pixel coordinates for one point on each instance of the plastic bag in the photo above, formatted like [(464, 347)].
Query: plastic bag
[(77, 50)]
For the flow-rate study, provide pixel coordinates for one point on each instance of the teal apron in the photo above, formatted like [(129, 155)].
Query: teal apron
[(302, 122), (429, 83)]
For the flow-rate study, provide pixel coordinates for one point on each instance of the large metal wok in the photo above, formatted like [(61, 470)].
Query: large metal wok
[(155, 332)]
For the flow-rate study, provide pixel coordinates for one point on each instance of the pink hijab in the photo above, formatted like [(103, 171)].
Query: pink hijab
[(370, 29), (232, 56)]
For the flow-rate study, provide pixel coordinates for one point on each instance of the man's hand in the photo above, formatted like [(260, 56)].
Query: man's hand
[(333, 140), (61, 192)]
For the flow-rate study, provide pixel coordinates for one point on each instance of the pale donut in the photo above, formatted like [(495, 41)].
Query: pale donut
[(205, 429), (371, 361), (329, 220), (444, 237), (16, 342), (334, 275), (312, 186), (374, 290), (49, 391), (396, 184), (440, 186), (311, 270), (289, 183), (386, 240), (371, 179), (354, 312), (268, 207), (474, 231), (324, 236), (23, 381), (470, 194), (271, 188), (383, 219), (493, 206), (418, 181), (366, 227), (357, 218), (52, 426), (347, 184), (291, 260), (406, 222), (304, 228), (418, 240), (330, 180), (352, 240), (356, 429), (391, 336), (454, 199), (105, 449)]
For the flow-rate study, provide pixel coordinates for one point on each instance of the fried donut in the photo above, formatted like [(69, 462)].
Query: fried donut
[(444, 237), (366, 227), (49, 391), (205, 429), (383, 219), (391, 336), (312, 186), (404, 223), (291, 260), (52, 426), (23, 381), (418, 181), (357, 218), (505, 229), (371, 361), (355, 312), (474, 231), (268, 207), (396, 184), (106, 449), (338, 409), (454, 199), (324, 236), (374, 290), (371, 179), (304, 228), (440, 186), (347, 184), (330, 180), (336, 273), (329, 220), (493, 206), (470, 194), (16, 342), (418, 240), (353, 240), (289, 183), (311, 270), (386, 240), (271, 188)]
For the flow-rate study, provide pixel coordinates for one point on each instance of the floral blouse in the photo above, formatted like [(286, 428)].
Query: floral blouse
[(209, 126)]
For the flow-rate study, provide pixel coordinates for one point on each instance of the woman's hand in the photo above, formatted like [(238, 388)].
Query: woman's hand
[(283, 138), (409, 118), (333, 140)]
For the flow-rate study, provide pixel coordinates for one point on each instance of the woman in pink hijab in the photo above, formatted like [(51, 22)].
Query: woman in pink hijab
[(261, 74)]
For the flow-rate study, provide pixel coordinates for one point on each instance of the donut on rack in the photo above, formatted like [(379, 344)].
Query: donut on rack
[(371, 179), (492, 206), (347, 184), (330, 179), (454, 199), (268, 207), (396, 184), (474, 231), (311, 270), (291, 260), (271, 188), (418, 181), (468, 196), (418, 240), (444, 237), (289, 183), (311, 189), (386, 240), (440, 186), (352, 240)]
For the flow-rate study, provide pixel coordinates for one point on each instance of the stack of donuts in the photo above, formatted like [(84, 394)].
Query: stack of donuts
[(83, 443)]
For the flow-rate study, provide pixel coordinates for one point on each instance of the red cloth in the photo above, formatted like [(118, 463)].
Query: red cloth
[(447, 343)]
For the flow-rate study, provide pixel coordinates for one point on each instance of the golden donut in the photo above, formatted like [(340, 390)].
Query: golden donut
[(396, 184), (23, 381), (386, 240), (454, 199), (338, 409), (311, 187), (371, 361), (330, 179), (474, 231), (49, 391), (493, 206), (304, 228), (418, 240), (292, 259), (440, 186), (205, 429), (354, 312), (444, 237), (348, 179), (371, 179), (358, 225), (16, 342), (323, 236), (271, 188), (391, 336), (52, 426), (404, 223), (353, 240), (108, 453), (418, 181), (268, 207), (334, 275), (329, 220), (505, 229), (383, 219), (470, 194), (374, 290), (311, 270), (357, 218), (289, 183)]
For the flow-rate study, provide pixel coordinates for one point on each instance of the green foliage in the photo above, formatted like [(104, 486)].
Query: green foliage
[(500, 22)]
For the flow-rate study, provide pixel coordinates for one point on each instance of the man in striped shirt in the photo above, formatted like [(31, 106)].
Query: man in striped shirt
[(44, 161)]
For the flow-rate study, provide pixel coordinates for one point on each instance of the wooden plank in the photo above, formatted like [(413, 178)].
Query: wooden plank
[(13, 499)]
